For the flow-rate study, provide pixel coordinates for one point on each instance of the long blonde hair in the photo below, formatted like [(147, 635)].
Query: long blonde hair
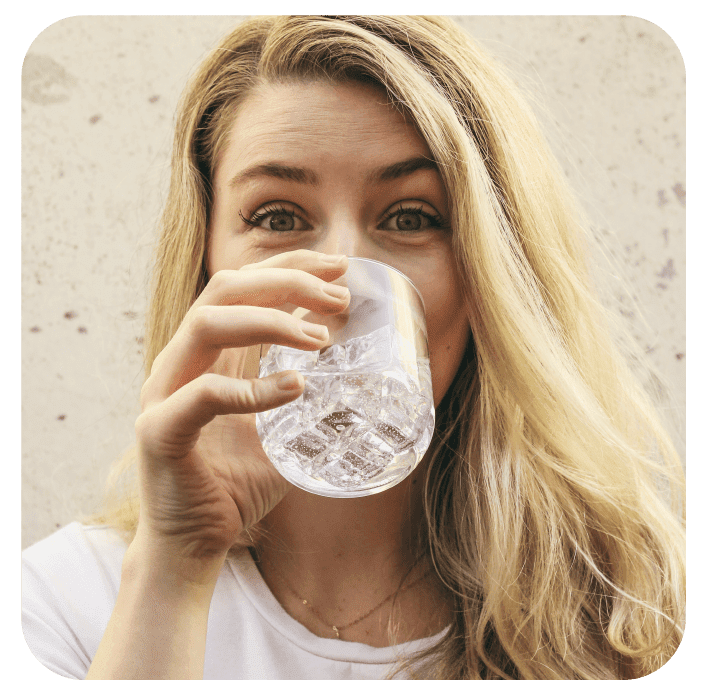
[(554, 499)]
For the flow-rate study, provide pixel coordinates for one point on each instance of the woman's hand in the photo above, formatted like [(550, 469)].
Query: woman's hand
[(204, 477)]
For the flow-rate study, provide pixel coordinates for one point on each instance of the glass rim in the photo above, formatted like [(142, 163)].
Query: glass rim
[(405, 277)]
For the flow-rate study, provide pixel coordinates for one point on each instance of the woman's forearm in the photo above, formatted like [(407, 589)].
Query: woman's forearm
[(158, 626)]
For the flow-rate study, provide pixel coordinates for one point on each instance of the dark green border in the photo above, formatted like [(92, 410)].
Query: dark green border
[(25, 21)]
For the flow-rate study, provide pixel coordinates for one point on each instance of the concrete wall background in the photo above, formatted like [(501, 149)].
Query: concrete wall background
[(98, 98)]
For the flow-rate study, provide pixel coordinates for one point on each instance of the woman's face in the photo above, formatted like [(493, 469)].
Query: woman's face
[(334, 169)]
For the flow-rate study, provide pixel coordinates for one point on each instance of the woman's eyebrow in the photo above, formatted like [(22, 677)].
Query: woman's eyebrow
[(286, 172), (399, 169), (277, 171)]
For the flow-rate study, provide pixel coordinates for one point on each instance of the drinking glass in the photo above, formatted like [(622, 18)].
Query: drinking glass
[(366, 416)]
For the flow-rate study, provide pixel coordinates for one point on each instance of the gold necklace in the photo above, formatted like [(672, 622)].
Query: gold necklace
[(338, 629)]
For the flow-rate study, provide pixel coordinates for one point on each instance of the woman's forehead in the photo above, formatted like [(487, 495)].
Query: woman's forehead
[(316, 119)]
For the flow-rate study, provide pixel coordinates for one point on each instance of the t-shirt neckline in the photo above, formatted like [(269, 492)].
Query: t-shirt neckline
[(258, 593)]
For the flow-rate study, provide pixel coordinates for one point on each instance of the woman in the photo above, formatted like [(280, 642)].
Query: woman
[(541, 536)]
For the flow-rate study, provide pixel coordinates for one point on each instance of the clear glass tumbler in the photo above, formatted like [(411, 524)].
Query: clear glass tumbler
[(366, 416)]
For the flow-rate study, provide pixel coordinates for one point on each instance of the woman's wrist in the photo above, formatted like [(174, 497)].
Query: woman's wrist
[(159, 563)]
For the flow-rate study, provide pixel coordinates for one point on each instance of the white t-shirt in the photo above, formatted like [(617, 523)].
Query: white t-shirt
[(70, 583)]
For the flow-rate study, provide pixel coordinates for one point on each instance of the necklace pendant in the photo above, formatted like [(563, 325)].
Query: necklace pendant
[(336, 631)]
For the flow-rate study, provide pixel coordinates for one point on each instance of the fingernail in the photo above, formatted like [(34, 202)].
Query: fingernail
[(314, 330), (336, 291), (333, 259), (288, 382)]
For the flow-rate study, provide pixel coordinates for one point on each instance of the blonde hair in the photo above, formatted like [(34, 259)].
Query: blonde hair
[(546, 505)]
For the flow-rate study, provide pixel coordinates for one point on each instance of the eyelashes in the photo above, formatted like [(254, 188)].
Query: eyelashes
[(271, 211), (436, 221), (412, 219)]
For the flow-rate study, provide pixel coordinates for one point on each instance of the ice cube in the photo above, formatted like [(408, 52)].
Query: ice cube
[(393, 437), (306, 445), (371, 440), (301, 360), (313, 392), (393, 388), (326, 432), (339, 422), (369, 351), (362, 393), (286, 428), (268, 363), (332, 389), (333, 356), (347, 471), (356, 349), (374, 450)]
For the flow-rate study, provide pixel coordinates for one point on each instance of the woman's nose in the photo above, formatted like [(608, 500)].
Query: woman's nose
[(344, 237)]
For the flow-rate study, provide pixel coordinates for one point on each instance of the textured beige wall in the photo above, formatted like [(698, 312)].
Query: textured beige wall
[(98, 99)]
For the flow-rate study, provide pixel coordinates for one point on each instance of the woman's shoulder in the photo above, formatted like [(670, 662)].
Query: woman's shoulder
[(77, 545), (70, 581)]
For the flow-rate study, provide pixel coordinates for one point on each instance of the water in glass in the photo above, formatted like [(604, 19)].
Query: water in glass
[(364, 421)]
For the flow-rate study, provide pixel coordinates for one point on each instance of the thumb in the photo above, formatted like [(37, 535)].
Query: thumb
[(222, 395), (194, 405)]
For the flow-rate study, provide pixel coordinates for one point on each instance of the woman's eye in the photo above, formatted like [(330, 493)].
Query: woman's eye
[(275, 219), (407, 219), (281, 222)]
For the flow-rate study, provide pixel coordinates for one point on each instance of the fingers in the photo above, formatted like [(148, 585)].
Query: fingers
[(321, 265), (328, 268), (237, 310), (197, 345), (169, 430), (273, 287)]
